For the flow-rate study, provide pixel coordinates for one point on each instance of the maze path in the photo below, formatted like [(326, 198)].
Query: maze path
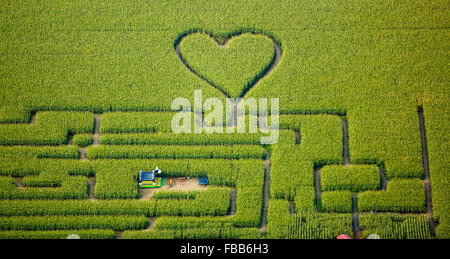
[(272, 65), (346, 160), (426, 169)]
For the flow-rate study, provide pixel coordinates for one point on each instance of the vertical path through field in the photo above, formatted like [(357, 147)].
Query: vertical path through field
[(18, 181), (33, 117), (346, 160), (96, 136), (266, 194), (235, 113), (426, 169), (233, 194), (317, 187), (82, 151)]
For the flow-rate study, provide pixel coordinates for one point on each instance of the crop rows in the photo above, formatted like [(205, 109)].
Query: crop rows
[(50, 128), (174, 152), (394, 226), (58, 234), (210, 202), (282, 225), (402, 195), (354, 178), (73, 222), (293, 164), (204, 232), (71, 188)]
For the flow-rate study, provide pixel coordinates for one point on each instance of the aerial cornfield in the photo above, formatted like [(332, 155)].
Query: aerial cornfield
[(89, 91)]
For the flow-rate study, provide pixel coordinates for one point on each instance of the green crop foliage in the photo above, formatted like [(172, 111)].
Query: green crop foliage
[(400, 196), (69, 188), (58, 234), (436, 117), (161, 152), (354, 178), (14, 152), (319, 226), (305, 200), (168, 194), (249, 205), (370, 63), (136, 122), (233, 67), (214, 201), (73, 222), (278, 219), (50, 128), (163, 138), (82, 140), (395, 226), (336, 201)]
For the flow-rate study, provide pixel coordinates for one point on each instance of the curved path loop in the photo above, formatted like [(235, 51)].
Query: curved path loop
[(271, 67)]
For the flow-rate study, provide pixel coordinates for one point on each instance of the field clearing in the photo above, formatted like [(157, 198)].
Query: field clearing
[(86, 89)]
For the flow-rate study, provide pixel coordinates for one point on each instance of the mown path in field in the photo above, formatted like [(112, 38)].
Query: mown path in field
[(271, 66), (82, 151), (426, 169), (266, 194), (346, 160), (233, 194)]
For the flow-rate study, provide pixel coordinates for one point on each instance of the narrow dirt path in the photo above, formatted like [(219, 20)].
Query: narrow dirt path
[(298, 137), (233, 194), (272, 65), (355, 217), (18, 181), (118, 234), (33, 118), (266, 192), (91, 182), (82, 152), (384, 180), (145, 193), (346, 161), (235, 113), (291, 208), (151, 224), (426, 169), (96, 136), (317, 187), (345, 154), (70, 139)]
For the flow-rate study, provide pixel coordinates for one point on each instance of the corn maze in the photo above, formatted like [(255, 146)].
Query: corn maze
[(85, 103)]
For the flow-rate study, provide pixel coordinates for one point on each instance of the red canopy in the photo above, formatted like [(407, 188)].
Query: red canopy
[(343, 236)]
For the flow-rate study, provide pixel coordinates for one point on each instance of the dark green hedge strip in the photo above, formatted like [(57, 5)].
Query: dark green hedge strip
[(172, 152), (73, 222), (169, 194), (69, 188), (13, 152), (213, 202), (50, 128), (163, 138), (225, 231), (58, 234), (354, 178), (305, 200), (336, 202), (136, 122)]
